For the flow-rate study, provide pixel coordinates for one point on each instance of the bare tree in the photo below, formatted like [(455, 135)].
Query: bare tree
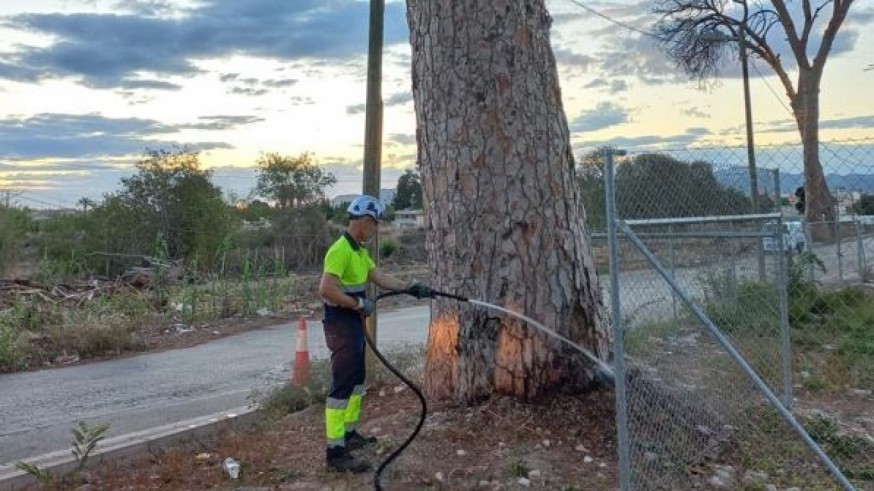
[(690, 29), (504, 221)]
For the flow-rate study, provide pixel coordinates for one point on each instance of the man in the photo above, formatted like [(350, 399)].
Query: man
[(347, 269)]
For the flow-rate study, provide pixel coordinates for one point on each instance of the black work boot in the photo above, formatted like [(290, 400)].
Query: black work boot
[(340, 460), (355, 440)]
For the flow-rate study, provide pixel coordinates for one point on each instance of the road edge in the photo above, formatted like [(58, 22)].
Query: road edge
[(61, 463)]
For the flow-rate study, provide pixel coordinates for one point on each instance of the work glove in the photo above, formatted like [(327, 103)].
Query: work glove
[(420, 291), (365, 306)]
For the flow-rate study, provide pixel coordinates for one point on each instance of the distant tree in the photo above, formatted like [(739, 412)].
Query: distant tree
[(176, 200), (657, 185), (409, 191), (292, 181), (590, 182), (114, 227), (85, 203), (14, 228), (691, 29), (254, 210), (336, 214), (865, 206), (390, 212)]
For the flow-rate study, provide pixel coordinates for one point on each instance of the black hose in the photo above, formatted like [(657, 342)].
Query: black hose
[(376, 477)]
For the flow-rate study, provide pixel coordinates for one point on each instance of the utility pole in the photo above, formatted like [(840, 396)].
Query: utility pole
[(751, 146), (373, 131)]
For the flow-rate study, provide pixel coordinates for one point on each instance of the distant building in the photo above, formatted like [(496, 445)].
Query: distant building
[(409, 219), (846, 199), (341, 199)]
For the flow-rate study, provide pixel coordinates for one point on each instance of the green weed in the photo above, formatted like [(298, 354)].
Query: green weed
[(85, 440), (834, 337), (852, 453), (518, 467), (288, 398), (640, 338), (42, 476)]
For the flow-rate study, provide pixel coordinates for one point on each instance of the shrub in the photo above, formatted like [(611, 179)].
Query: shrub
[(10, 358), (387, 248)]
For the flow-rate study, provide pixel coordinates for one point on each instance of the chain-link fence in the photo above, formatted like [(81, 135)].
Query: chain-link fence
[(721, 305)]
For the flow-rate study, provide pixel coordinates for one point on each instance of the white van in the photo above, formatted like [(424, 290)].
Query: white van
[(793, 237)]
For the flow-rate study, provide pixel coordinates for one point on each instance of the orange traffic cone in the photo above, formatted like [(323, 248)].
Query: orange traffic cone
[(301, 367)]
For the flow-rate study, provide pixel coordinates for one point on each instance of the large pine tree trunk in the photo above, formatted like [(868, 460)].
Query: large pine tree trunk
[(820, 206), (504, 223)]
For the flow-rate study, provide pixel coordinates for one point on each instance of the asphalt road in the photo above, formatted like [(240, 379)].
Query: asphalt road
[(38, 409)]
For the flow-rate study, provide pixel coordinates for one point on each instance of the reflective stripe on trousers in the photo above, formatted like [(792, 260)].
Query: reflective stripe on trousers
[(335, 421)]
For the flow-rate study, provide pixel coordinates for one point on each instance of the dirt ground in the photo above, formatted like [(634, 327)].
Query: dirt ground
[(566, 445)]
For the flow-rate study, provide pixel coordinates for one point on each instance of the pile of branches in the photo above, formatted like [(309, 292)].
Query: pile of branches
[(71, 294), (78, 292)]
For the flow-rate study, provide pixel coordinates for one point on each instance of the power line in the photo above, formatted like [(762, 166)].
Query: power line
[(773, 92), (44, 203), (614, 21)]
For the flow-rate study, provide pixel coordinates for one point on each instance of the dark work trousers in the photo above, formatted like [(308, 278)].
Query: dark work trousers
[(344, 335)]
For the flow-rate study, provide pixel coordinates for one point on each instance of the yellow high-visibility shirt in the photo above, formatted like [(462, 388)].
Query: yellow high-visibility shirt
[(350, 262)]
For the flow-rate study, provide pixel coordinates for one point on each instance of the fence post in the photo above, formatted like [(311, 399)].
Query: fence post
[(616, 321), (808, 239), (733, 254), (673, 266), (785, 335), (838, 244), (860, 251)]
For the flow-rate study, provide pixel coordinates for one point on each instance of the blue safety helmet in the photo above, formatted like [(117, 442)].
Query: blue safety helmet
[(366, 205)]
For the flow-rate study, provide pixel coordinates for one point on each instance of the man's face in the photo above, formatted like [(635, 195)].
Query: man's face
[(371, 226)]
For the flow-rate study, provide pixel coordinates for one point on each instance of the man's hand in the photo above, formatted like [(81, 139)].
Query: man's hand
[(420, 291), (365, 306)]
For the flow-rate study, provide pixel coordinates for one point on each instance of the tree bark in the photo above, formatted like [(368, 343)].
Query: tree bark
[(504, 223), (805, 100), (820, 207)]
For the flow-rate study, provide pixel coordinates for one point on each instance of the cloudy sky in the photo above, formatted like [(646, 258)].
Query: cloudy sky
[(86, 86)]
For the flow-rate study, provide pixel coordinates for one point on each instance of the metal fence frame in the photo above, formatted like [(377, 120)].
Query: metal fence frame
[(617, 226)]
